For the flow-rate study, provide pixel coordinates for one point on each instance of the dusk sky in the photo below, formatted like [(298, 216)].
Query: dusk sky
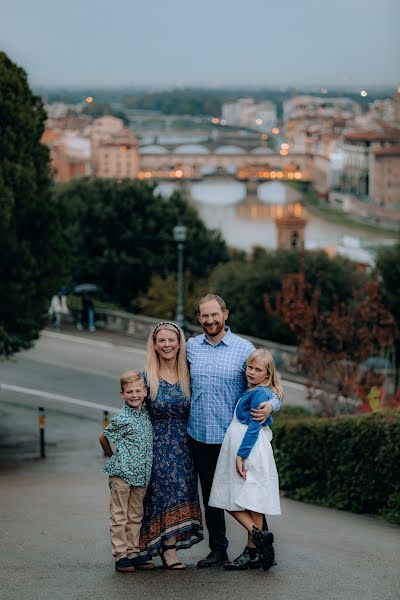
[(79, 43)]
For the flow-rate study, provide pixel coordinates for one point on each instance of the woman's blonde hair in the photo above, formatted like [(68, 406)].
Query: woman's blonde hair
[(153, 361), (272, 379)]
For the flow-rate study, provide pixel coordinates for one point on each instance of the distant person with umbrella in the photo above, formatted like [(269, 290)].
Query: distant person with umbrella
[(87, 310)]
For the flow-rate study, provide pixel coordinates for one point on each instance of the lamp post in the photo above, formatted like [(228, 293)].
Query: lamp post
[(180, 238)]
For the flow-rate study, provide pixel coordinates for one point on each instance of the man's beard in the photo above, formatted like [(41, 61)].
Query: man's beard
[(217, 331)]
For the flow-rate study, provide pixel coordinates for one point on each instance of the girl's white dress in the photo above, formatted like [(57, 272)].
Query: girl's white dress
[(260, 490)]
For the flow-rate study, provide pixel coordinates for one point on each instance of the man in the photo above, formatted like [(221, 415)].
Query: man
[(217, 361)]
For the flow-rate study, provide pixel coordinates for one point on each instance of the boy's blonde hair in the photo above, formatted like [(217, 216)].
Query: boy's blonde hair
[(272, 379), (153, 363), (130, 377)]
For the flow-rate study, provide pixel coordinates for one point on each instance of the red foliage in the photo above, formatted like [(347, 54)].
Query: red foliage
[(332, 344)]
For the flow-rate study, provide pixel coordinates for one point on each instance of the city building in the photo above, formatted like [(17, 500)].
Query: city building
[(114, 149), (396, 106), (367, 179), (313, 125), (370, 164), (385, 176), (380, 113), (70, 154), (319, 108), (79, 123), (369, 186), (247, 112), (80, 146)]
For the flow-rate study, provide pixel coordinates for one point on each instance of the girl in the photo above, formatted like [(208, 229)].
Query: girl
[(246, 480)]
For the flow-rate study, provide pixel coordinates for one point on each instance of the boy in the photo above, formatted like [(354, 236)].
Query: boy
[(129, 468)]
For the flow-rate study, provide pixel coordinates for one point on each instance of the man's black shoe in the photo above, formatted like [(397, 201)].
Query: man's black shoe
[(249, 559), (214, 559)]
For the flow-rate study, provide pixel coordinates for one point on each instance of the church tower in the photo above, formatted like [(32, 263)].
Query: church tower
[(291, 225)]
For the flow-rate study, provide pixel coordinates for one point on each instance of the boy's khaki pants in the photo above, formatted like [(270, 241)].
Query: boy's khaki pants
[(126, 514)]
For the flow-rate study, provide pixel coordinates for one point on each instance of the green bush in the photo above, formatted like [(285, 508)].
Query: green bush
[(293, 412), (350, 463)]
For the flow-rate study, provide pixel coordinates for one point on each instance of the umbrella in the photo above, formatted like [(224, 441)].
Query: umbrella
[(376, 362), (86, 288)]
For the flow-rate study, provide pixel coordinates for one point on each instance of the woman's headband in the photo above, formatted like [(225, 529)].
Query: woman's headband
[(166, 323)]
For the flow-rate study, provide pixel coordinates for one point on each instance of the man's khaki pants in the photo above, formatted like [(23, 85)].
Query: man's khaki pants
[(126, 514)]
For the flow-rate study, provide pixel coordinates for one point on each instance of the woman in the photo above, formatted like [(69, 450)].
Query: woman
[(172, 516)]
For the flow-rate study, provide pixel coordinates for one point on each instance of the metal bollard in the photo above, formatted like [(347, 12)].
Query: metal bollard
[(105, 422), (41, 430)]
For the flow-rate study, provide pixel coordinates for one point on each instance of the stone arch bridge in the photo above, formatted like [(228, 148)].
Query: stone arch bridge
[(197, 162)]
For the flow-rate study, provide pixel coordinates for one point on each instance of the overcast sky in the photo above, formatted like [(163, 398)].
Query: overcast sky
[(209, 42)]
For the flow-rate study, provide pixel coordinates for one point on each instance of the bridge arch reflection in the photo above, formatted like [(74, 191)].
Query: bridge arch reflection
[(257, 211)]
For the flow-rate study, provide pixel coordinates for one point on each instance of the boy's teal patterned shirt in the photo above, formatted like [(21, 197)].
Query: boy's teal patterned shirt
[(131, 431)]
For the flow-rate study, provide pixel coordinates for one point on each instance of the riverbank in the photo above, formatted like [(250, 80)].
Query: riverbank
[(324, 210), (334, 215)]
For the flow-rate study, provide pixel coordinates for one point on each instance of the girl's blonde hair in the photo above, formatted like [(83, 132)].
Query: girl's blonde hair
[(153, 361), (272, 379)]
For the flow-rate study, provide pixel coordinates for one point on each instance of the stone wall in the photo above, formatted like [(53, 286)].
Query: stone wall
[(140, 326)]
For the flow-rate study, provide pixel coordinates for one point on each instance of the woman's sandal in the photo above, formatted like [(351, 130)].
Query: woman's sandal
[(176, 566)]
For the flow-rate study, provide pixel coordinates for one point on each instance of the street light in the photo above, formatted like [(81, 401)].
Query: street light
[(180, 238)]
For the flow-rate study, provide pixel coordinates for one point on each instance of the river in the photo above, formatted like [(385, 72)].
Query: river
[(248, 221)]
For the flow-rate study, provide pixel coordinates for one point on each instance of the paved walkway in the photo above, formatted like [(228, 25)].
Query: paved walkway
[(116, 338)]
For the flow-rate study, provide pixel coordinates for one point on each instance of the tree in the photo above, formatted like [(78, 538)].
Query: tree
[(388, 268), (121, 235), (31, 264), (245, 279), (161, 297), (334, 341), (177, 102)]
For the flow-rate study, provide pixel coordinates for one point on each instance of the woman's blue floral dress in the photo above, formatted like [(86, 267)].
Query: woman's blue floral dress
[(171, 505)]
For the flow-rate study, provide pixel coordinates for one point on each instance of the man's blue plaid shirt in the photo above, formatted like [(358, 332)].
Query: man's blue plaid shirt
[(218, 381)]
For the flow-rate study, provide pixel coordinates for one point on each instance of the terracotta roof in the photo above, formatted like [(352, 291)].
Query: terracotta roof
[(388, 150), (125, 137), (373, 136), (50, 136)]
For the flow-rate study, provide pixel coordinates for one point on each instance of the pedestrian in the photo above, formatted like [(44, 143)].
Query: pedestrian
[(172, 515), (58, 308), (217, 361), (129, 469), (87, 313), (246, 480)]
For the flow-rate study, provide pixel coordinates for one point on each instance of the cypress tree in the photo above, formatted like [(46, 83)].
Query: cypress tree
[(31, 255)]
